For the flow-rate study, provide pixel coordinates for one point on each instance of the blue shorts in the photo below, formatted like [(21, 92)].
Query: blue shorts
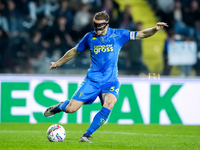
[(89, 90)]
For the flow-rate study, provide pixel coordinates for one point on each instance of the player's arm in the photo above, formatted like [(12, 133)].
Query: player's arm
[(150, 31), (66, 57)]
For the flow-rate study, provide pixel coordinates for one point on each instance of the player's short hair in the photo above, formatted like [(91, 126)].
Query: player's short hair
[(102, 15)]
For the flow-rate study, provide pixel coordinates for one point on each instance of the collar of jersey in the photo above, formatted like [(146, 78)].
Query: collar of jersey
[(107, 33)]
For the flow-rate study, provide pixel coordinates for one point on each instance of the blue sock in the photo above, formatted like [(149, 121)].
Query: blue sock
[(63, 106), (98, 120)]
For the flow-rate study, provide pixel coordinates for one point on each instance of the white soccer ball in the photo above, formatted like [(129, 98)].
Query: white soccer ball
[(56, 133)]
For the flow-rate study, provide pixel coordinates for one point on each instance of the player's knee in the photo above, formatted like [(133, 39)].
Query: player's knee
[(109, 105)]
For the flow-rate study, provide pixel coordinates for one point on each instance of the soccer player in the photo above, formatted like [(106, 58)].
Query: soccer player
[(101, 80)]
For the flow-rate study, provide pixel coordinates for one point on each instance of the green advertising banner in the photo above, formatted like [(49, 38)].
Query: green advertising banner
[(163, 101)]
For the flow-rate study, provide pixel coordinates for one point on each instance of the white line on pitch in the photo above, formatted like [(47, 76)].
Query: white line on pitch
[(145, 134), (104, 132)]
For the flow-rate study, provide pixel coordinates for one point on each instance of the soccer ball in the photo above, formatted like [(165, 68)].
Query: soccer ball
[(56, 133)]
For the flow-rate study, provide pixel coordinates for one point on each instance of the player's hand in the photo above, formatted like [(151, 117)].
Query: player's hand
[(160, 25), (53, 65)]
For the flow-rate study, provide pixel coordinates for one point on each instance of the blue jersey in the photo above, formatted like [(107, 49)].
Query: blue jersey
[(104, 53)]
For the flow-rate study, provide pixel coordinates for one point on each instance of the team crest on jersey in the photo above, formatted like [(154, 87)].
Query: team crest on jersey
[(80, 93), (94, 38), (102, 38)]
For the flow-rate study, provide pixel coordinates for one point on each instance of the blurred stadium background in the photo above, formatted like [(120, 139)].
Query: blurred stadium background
[(159, 75)]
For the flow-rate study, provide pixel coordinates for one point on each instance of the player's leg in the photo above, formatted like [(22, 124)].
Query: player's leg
[(66, 106), (70, 106), (99, 119), (86, 93), (109, 98), (74, 104)]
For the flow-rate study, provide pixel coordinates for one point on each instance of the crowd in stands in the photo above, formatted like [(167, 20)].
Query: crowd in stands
[(35, 32), (183, 18)]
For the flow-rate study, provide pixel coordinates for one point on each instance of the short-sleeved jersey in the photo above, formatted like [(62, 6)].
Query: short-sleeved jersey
[(104, 53)]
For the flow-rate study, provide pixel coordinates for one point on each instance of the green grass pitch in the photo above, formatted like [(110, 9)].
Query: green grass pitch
[(26, 136)]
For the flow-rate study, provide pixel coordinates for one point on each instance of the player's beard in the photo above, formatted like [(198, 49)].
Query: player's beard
[(100, 32)]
